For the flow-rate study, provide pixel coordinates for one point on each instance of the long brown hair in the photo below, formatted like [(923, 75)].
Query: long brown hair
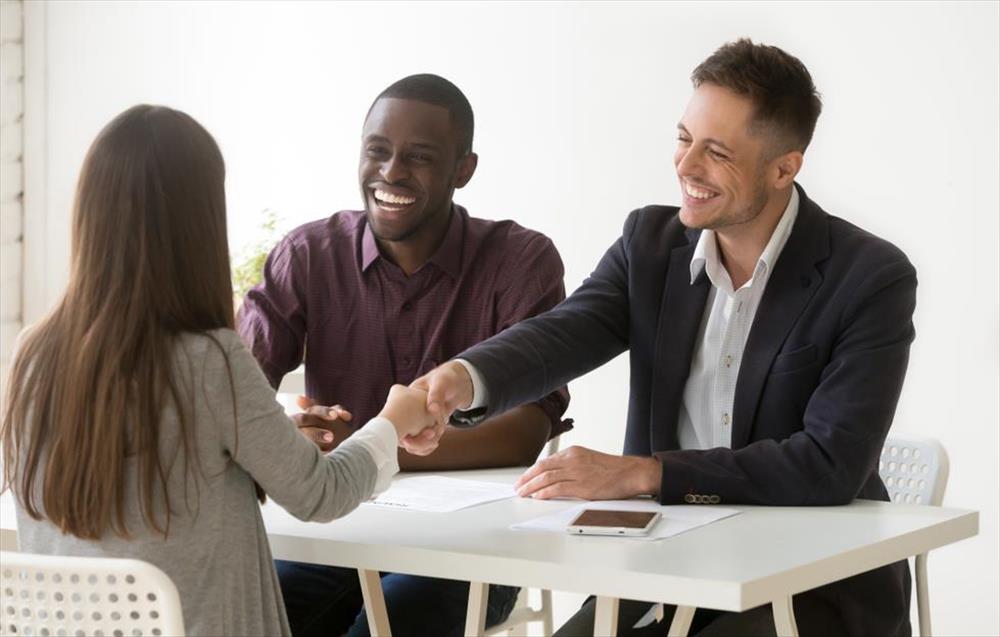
[(91, 381)]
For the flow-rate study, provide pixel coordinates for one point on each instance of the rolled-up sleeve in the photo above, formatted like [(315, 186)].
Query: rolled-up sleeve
[(272, 318)]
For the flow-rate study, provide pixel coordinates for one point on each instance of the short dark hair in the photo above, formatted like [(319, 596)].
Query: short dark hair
[(434, 89), (785, 99)]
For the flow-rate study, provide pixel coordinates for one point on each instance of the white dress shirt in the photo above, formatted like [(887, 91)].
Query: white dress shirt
[(706, 412)]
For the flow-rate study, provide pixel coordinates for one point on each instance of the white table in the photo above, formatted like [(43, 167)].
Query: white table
[(764, 555)]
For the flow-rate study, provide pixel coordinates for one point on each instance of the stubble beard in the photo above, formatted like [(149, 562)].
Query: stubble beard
[(744, 215)]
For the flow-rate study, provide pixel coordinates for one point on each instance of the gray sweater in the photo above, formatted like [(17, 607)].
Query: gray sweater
[(217, 552)]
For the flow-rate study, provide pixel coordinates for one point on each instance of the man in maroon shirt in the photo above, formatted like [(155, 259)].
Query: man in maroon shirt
[(383, 296)]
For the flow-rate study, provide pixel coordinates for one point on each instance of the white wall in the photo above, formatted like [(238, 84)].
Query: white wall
[(576, 106), (11, 182)]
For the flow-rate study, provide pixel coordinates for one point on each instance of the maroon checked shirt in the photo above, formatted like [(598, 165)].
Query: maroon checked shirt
[(361, 324)]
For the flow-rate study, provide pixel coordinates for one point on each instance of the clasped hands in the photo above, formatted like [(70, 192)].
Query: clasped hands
[(406, 408), (421, 411)]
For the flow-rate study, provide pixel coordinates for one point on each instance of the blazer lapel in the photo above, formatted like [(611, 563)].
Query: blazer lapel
[(681, 311), (794, 281)]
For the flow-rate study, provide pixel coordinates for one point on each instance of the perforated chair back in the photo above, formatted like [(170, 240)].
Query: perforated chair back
[(914, 469), (51, 595)]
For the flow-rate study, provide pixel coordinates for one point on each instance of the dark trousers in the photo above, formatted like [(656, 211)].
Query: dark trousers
[(814, 617), (326, 601)]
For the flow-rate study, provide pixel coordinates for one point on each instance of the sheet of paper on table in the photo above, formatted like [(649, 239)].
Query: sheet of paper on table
[(674, 519), (439, 494)]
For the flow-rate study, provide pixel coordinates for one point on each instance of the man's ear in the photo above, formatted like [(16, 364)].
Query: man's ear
[(786, 167), (466, 168)]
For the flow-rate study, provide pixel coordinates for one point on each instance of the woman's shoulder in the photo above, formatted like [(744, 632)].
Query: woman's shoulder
[(222, 338), (210, 353)]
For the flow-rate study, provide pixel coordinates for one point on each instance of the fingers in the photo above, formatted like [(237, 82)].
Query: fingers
[(449, 387), (440, 415), (433, 408), (320, 437), (316, 434), (406, 409), (543, 474), (555, 461), (424, 442), (304, 402), (554, 483), (318, 420), (328, 413)]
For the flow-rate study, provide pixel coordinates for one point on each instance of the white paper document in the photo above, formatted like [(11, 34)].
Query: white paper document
[(439, 494), (674, 519)]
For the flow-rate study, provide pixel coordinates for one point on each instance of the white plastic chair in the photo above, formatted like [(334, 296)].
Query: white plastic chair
[(52, 595), (915, 471)]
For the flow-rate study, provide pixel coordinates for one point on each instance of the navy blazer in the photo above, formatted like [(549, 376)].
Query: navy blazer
[(818, 385)]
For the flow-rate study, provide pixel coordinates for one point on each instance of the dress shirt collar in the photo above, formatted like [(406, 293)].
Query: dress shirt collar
[(448, 256), (706, 252)]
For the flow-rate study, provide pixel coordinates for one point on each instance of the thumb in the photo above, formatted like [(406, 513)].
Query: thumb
[(304, 402), (437, 405), (439, 394)]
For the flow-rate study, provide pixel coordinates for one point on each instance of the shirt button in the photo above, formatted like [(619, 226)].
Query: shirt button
[(406, 361), (725, 419), (407, 306), (729, 361)]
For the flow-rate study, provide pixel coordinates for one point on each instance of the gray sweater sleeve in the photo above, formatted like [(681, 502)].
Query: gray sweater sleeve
[(267, 444)]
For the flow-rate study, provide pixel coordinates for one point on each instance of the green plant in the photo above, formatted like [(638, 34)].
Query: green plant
[(248, 265)]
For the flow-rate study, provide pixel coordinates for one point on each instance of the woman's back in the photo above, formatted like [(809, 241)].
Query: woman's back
[(216, 549), (137, 424)]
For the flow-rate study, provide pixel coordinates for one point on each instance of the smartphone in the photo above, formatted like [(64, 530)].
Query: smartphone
[(610, 522)]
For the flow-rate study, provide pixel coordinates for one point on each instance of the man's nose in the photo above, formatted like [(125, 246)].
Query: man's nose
[(393, 169), (688, 164)]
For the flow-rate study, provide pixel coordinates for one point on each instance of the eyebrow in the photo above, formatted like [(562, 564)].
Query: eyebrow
[(421, 145), (709, 140)]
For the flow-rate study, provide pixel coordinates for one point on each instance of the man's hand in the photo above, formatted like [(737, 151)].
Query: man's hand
[(579, 472), (448, 387), (406, 408), (325, 426)]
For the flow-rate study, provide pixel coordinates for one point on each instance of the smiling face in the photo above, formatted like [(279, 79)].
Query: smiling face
[(721, 164), (409, 169)]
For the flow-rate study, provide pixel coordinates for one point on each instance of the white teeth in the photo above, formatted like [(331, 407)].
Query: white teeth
[(697, 193), (382, 195)]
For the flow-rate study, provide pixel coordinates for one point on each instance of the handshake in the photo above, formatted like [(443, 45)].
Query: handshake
[(419, 412)]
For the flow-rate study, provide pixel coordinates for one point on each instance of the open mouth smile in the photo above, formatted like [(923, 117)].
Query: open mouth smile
[(391, 202), (697, 193)]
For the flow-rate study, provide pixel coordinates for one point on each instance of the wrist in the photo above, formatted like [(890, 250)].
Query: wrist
[(648, 476), (391, 418), (466, 385)]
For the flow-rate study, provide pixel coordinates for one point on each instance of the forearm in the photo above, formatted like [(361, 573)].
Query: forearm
[(513, 438)]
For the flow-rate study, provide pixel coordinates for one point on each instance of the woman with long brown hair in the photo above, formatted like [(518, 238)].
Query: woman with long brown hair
[(137, 424)]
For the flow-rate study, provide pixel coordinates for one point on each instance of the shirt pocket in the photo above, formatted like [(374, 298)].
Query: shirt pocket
[(795, 360)]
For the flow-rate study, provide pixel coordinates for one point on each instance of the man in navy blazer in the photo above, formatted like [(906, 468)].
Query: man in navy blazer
[(768, 343)]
